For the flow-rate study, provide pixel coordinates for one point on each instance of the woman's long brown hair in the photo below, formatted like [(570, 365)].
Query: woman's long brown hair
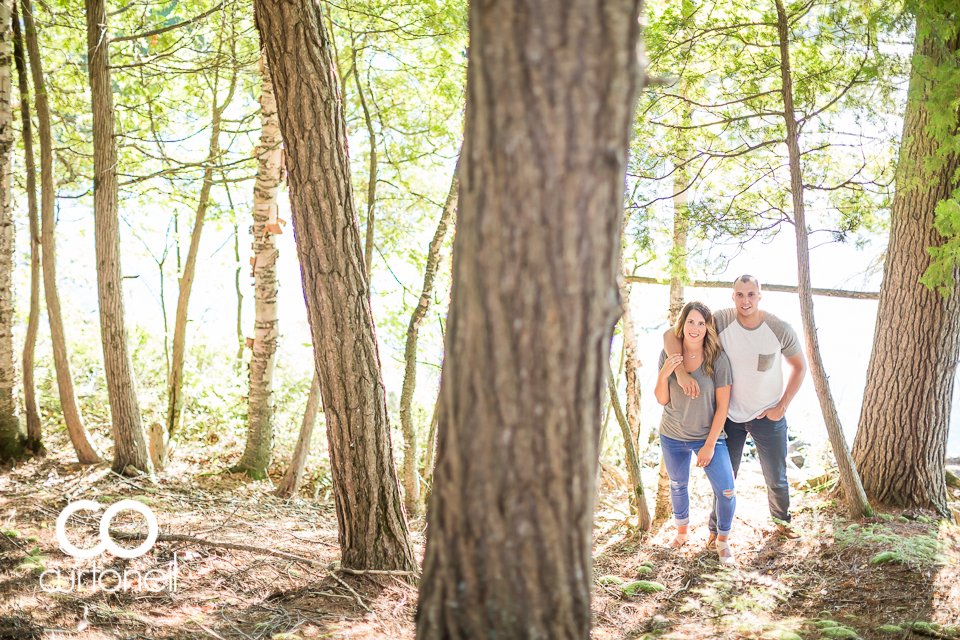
[(711, 341)]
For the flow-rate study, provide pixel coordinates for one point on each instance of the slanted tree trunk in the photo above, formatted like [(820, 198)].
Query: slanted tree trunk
[(12, 437), (294, 475), (34, 435), (86, 452), (849, 479), (430, 456), (372, 527), (644, 521), (372, 176), (130, 443), (259, 446), (533, 308), (900, 446), (629, 363), (411, 483), (175, 378)]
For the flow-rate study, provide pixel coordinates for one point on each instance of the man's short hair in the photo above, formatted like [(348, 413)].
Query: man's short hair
[(747, 278)]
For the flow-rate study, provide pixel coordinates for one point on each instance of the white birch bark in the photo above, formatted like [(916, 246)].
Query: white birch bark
[(266, 224)]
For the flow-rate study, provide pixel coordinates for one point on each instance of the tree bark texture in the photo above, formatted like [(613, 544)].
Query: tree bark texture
[(644, 521), (850, 481), (430, 455), (34, 435), (12, 437), (411, 481), (294, 475), (86, 451), (551, 91), (900, 446), (631, 362), (130, 443), (259, 446), (175, 378), (372, 525)]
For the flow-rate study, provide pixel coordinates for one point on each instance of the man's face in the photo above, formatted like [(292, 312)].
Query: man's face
[(746, 299)]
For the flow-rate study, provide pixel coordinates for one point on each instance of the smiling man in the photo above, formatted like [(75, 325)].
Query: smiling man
[(757, 343)]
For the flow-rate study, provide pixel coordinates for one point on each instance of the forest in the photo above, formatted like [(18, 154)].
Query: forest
[(509, 319)]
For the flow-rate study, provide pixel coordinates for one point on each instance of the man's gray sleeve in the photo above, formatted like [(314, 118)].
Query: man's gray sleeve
[(789, 344), (724, 318)]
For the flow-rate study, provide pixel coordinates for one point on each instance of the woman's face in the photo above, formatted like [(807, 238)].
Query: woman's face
[(695, 328)]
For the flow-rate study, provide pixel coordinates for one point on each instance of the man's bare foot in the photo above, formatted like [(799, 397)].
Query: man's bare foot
[(787, 530)]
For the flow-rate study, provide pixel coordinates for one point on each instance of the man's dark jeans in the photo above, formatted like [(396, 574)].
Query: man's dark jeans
[(770, 439)]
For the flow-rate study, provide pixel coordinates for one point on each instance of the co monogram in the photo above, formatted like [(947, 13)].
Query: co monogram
[(106, 542)]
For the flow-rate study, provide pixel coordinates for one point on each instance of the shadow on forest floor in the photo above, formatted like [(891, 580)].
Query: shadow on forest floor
[(839, 580)]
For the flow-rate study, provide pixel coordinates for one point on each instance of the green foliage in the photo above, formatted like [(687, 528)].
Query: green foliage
[(920, 549)]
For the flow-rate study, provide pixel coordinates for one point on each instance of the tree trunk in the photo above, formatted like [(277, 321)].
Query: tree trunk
[(175, 379), (411, 483), (630, 363), (429, 457), (850, 481), (644, 521), (259, 447), (900, 446), (372, 527), (291, 479), (12, 437), (86, 452), (34, 435), (130, 444), (551, 90), (372, 177)]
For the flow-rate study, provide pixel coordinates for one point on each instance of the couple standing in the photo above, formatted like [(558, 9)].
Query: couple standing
[(720, 379)]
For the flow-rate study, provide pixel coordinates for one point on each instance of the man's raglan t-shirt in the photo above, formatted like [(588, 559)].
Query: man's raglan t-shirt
[(689, 419), (756, 357)]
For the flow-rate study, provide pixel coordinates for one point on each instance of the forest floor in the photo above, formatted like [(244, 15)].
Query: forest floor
[(892, 576)]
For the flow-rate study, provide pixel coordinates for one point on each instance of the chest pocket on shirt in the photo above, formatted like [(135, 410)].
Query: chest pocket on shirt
[(765, 361)]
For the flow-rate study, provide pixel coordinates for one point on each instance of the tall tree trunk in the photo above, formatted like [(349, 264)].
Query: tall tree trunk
[(130, 443), (259, 447), (534, 304), (411, 483), (372, 527), (900, 446), (430, 454), (850, 480), (86, 452), (12, 437), (372, 177), (630, 362), (34, 435), (294, 475), (175, 379), (644, 521)]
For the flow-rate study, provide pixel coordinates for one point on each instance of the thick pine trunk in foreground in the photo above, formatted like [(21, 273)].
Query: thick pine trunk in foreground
[(259, 445), (86, 452), (12, 437), (411, 481), (34, 435), (551, 89), (130, 443), (849, 479), (901, 442), (372, 525)]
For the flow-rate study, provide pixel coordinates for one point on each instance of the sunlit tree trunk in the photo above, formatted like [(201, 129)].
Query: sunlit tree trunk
[(130, 443), (259, 446), (372, 526), (372, 175), (644, 521), (411, 481), (12, 437), (900, 446), (86, 452), (294, 475), (551, 90), (850, 480), (175, 378), (34, 435)]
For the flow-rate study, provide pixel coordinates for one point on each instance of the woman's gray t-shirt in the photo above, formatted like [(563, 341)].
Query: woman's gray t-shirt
[(686, 418)]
